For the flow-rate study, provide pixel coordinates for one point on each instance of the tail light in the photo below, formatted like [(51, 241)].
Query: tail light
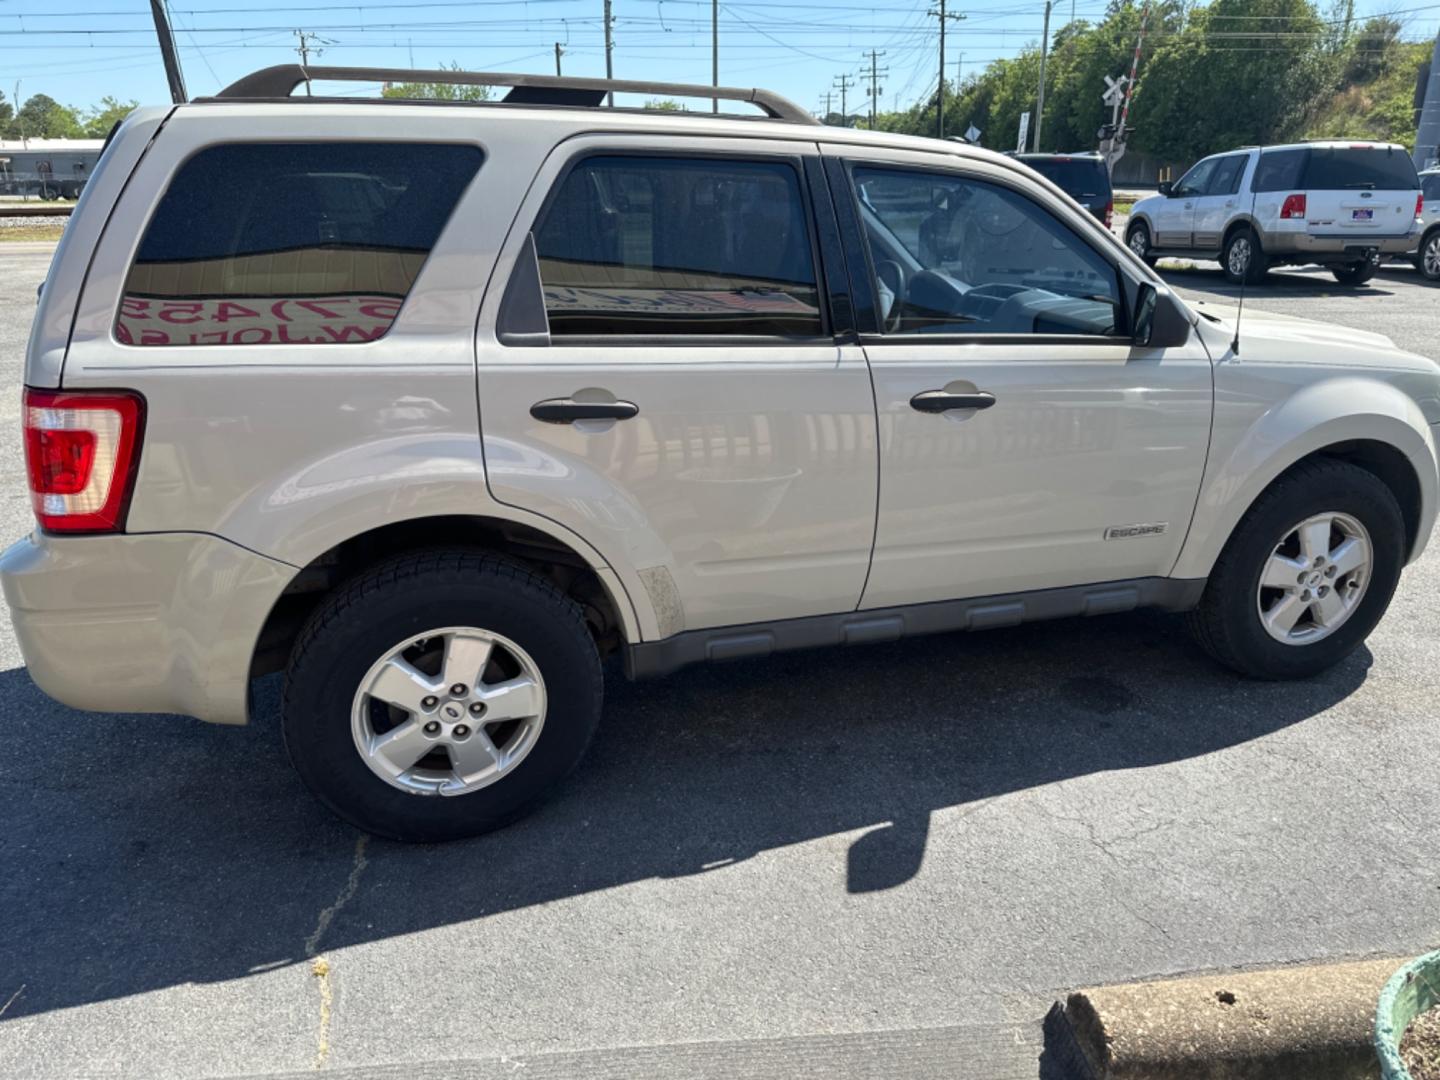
[(1293, 207), (1419, 203), (1109, 213), (81, 453)]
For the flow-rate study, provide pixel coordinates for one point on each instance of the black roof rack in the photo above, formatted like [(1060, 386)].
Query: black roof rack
[(282, 79)]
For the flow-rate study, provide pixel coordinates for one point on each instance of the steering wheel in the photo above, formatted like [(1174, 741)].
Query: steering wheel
[(892, 277)]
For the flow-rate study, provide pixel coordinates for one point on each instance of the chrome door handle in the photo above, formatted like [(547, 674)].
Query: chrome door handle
[(938, 401), (568, 410)]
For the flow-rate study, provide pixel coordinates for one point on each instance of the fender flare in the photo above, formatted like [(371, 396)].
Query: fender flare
[(1316, 417)]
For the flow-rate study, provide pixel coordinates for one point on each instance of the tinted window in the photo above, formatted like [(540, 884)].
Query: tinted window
[(632, 245), (1226, 178), (1082, 178), (1197, 179), (1343, 167), (1279, 170), (295, 243), (1432, 187), (957, 255)]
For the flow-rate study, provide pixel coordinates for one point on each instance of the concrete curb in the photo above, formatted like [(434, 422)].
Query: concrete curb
[(1295, 1023)]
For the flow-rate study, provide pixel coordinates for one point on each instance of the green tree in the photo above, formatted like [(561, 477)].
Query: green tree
[(43, 117), (101, 118), (437, 91)]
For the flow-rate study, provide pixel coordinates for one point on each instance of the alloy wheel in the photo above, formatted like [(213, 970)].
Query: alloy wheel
[(1238, 260), (1430, 257), (448, 711), (1315, 578)]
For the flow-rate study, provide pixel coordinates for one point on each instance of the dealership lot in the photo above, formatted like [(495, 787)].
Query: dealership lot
[(903, 852)]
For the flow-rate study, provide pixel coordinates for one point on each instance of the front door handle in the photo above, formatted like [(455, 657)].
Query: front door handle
[(568, 410), (937, 401)]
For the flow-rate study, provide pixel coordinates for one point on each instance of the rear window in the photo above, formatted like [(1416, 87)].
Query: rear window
[(1078, 179), (290, 243), (1369, 168)]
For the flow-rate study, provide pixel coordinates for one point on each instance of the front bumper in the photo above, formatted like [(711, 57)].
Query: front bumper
[(150, 623)]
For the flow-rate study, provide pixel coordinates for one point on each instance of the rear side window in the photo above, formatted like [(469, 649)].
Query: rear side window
[(635, 245), (1359, 168), (1279, 170), (290, 243)]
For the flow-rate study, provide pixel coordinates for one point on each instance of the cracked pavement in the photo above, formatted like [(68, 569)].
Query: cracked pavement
[(932, 838)]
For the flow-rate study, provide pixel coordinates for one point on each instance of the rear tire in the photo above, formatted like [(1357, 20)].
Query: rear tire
[(1428, 261), (1230, 622), (478, 610), (1242, 259), (1355, 273)]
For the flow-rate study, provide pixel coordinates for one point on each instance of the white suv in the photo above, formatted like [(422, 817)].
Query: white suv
[(1339, 204), (1427, 254), (433, 407)]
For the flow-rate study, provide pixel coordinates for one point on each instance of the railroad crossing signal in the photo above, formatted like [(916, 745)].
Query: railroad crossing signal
[(1114, 90)]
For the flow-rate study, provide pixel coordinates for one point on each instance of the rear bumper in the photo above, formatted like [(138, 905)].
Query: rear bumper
[(1335, 247), (153, 623)]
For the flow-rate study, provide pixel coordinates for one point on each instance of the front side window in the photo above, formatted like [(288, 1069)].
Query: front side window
[(1432, 187), (1197, 179), (662, 245), (290, 243), (958, 255)]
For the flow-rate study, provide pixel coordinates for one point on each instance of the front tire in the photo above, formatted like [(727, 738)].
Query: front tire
[(1137, 239), (440, 695), (1306, 575), (1428, 261), (1242, 259)]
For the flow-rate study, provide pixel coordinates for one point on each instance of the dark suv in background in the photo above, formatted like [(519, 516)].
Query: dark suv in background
[(1084, 177)]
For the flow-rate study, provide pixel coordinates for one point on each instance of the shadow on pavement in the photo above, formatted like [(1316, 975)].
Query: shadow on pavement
[(144, 852), (1289, 283)]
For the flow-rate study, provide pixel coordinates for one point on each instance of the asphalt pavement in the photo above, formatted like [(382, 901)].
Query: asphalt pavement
[(882, 862)]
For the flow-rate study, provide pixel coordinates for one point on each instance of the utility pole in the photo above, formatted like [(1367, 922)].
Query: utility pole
[(959, 63), (826, 117), (1040, 104), (843, 83), (559, 52), (943, 16), (167, 53), (305, 48), (875, 91), (715, 52), (609, 53)]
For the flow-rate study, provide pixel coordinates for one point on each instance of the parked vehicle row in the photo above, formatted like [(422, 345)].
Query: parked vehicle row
[(433, 407)]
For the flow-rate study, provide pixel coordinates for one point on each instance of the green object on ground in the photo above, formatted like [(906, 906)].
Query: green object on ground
[(1412, 990)]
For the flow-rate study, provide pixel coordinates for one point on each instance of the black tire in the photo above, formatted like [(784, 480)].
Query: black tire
[(1137, 239), (409, 595), (1428, 260), (1355, 273), (1227, 621), (1255, 267)]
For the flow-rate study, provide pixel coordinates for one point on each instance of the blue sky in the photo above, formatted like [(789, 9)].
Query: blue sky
[(77, 51)]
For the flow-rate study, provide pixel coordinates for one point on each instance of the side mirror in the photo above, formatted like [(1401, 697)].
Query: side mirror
[(1166, 187), (1160, 321)]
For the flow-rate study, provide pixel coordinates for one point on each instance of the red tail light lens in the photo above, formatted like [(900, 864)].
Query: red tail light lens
[(81, 451), (1419, 204), (1293, 207), (1109, 213)]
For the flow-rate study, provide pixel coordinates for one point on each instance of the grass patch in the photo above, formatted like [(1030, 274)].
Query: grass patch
[(1124, 206), (31, 232)]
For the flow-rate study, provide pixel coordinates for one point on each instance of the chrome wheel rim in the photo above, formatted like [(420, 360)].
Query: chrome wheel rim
[(1239, 258), (1138, 243), (1432, 257), (448, 711), (1314, 578)]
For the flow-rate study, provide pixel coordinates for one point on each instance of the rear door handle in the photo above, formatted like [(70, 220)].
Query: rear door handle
[(937, 401), (568, 410)]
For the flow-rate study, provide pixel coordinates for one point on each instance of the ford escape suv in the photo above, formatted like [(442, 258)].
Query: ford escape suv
[(1337, 204), (433, 406)]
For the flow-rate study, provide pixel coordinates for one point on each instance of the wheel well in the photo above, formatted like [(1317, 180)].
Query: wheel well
[(537, 551), (1390, 466), (1233, 228)]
